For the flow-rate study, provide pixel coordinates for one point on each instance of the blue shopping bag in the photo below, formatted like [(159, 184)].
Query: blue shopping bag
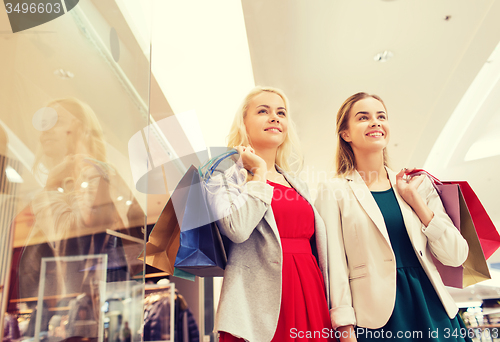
[(201, 251)]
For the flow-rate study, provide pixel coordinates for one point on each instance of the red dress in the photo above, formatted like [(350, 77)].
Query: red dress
[(304, 312)]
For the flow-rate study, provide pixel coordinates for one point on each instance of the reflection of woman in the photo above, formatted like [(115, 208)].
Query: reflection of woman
[(382, 230), (76, 207), (73, 152), (273, 285)]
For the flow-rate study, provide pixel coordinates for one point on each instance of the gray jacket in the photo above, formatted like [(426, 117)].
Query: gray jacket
[(250, 300)]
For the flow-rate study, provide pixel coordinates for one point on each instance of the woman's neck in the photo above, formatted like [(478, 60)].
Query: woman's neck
[(371, 168), (52, 162), (269, 156)]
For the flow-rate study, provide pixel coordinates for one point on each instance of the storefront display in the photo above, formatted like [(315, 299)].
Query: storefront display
[(75, 88)]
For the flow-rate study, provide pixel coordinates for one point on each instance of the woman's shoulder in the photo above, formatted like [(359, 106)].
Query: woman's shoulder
[(334, 188), (333, 183)]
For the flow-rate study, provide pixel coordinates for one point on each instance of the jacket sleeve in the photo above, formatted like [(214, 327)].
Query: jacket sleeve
[(445, 241), (237, 206), (341, 309)]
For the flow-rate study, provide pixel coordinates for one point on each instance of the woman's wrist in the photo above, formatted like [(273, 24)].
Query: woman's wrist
[(420, 208), (259, 174), (346, 333), (412, 198)]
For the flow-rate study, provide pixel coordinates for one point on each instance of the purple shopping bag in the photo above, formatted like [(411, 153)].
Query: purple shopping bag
[(450, 196), (456, 204)]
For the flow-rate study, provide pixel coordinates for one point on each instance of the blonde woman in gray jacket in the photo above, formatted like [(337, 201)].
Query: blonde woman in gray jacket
[(274, 286)]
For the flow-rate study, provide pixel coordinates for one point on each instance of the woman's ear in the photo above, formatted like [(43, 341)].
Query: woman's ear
[(345, 136)]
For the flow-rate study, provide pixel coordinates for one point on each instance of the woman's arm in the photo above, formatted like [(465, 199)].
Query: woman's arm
[(445, 241), (347, 333), (237, 206), (341, 310), (408, 189)]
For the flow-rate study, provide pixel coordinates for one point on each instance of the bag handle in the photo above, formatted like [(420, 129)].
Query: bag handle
[(217, 157), (417, 172), (213, 163)]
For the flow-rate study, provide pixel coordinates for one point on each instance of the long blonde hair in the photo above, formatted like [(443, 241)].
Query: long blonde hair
[(345, 160), (288, 152), (88, 134)]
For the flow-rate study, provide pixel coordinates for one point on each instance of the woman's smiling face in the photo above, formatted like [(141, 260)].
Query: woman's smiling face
[(59, 141), (368, 126), (266, 120)]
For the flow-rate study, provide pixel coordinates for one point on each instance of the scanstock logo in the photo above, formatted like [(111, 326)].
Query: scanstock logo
[(25, 14)]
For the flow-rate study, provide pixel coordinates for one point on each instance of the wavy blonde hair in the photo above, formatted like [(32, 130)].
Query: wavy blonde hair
[(288, 152), (88, 137), (345, 160)]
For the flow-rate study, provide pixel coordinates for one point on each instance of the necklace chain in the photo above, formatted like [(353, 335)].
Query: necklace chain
[(276, 177)]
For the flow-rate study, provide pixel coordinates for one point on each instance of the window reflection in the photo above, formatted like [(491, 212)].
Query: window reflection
[(85, 208)]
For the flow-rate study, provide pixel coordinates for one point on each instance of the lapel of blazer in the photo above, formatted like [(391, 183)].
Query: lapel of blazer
[(302, 192), (406, 210), (295, 185), (365, 198)]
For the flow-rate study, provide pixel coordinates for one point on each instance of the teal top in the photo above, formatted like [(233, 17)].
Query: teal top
[(401, 244)]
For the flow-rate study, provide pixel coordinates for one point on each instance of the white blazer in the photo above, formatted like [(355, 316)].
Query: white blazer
[(362, 266)]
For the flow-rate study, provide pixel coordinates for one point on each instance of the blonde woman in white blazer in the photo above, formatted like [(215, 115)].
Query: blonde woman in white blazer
[(382, 228), (274, 287)]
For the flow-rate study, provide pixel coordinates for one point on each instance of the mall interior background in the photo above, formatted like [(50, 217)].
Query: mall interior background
[(164, 79)]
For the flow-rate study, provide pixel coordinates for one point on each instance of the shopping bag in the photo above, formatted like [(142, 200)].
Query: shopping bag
[(480, 233), (462, 205), (486, 231), (475, 268), (163, 243), (201, 251), (450, 196)]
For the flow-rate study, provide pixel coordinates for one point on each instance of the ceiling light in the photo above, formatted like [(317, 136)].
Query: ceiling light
[(61, 190), (383, 56), (12, 175), (64, 74), (129, 202), (119, 198), (84, 185)]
